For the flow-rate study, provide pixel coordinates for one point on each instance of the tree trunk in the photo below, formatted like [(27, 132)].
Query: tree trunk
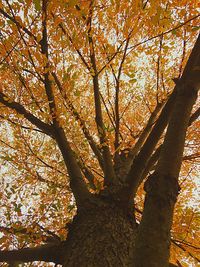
[(101, 234)]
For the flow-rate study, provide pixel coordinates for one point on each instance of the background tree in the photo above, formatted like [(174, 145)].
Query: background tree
[(96, 98)]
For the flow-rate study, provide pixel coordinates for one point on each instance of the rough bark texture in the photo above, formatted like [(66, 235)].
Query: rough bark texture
[(101, 234), (153, 240), (162, 187), (104, 232)]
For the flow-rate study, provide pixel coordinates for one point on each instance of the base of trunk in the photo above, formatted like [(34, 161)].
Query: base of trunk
[(100, 235)]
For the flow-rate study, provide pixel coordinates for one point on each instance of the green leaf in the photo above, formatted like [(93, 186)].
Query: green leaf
[(132, 80), (12, 190), (174, 32), (77, 93), (130, 75), (17, 207), (66, 76), (195, 28), (72, 2), (7, 158), (37, 4), (70, 68), (54, 206)]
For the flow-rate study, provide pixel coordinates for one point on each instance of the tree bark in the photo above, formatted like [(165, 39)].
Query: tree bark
[(153, 240), (101, 234)]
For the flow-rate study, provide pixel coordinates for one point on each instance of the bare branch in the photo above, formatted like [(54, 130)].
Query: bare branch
[(107, 111), (54, 184), (152, 120), (17, 23), (117, 87), (158, 67), (25, 30), (22, 126), (77, 116), (181, 246), (10, 51), (185, 243), (61, 26), (54, 237), (163, 33), (108, 165), (110, 59)]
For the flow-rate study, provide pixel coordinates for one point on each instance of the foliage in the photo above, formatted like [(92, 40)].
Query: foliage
[(136, 48)]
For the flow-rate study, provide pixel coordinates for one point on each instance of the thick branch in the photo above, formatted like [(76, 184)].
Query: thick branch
[(48, 253), (136, 148), (110, 115), (138, 166), (188, 86), (108, 165), (191, 75), (44, 50), (162, 187), (155, 156), (44, 127), (77, 183), (151, 163), (172, 148), (191, 70)]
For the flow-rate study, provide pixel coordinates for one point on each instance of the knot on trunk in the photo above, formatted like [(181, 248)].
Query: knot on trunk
[(162, 187)]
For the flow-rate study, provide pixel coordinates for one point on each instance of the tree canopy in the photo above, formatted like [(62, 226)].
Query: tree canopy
[(87, 88)]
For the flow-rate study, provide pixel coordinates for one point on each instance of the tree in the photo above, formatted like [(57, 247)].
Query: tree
[(92, 110)]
